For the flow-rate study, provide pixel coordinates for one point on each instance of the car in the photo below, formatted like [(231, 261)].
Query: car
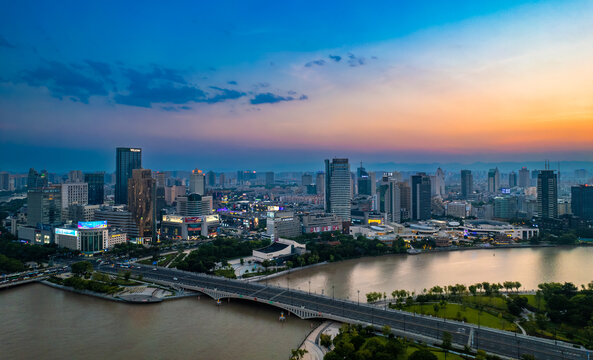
[(175, 278), (154, 269)]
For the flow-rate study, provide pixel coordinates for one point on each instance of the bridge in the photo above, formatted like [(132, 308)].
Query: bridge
[(306, 305)]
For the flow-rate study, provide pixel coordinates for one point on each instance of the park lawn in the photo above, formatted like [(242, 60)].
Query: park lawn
[(532, 301), (439, 353), (470, 315), (497, 302), (168, 258)]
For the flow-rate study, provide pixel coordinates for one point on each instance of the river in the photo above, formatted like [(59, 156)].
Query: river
[(40, 322), (529, 266)]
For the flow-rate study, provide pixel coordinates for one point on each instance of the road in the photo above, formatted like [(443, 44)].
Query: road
[(502, 343)]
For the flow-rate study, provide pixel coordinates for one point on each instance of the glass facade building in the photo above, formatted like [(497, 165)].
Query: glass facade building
[(126, 160)]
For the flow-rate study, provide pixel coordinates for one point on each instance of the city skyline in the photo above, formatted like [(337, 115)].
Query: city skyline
[(276, 84)]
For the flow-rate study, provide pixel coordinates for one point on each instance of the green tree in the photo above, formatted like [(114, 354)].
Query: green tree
[(325, 340), (447, 340), (81, 268), (297, 354), (422, 354)]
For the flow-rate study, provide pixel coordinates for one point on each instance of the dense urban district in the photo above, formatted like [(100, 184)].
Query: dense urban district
[(66, 229)]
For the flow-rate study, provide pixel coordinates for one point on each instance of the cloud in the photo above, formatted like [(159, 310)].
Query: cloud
[(232, 82), (5, 43), (100, 68), (315, 62), (65, 81), (269, 98), (335, 58), (354, 61), (175, 108), (225, 94)]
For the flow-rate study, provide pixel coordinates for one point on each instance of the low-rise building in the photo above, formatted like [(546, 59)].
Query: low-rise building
[(177, 227), (282, 224), (317, 223)]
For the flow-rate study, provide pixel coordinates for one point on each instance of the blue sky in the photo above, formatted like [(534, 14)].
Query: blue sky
[(228, 85)]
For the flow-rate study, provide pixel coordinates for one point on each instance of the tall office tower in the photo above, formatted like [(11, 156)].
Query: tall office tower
[(467, 184), (4, 181), (364, 181), (493, 180), (505, 207), (222, 180), (582, 201), (96, 187), (320, 183), (74, 194), (44, 206), (126, 160), (161, 179), (37, 180), (389, 199), (75, 176), (437, 183), (512, 179), (534, 175), (373, 178), (420, 184), (270, 180), (306, 179), (547, 194), (338, 188), (406, 199), (197, 182), (523, 177), (194, 205), (210, 179), (141, 201)]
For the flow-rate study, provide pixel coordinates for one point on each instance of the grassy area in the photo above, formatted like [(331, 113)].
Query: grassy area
[(269, 272), (532, 301), (496, 302), (167, 259), (463, 313), (177, 260)]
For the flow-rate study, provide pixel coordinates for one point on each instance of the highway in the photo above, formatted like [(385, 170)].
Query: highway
[(502, 343)]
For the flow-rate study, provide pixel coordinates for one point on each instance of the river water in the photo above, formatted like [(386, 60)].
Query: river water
[(39, 322), (529, 266)]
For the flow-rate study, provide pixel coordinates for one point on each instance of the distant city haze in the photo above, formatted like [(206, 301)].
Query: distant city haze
[(284, 86)]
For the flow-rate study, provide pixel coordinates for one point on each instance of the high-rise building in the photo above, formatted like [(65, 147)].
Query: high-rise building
[(194, 205), (505, 207), (306, 179), (493, 180), (270, 180), (420, 184), (389, 199), (222, 180), (96, 187), (44, 206), (547, 194), (4, 181), (338, 188), (197, 182), (126, 160), (142, 201), (582, 201), (282, 224), (406, 199), (211, 179), (74, 194), (364, 181), (437, 183), (37, 180), (523, 177), (512, 179), (467, 184), (320, 183), (75, 176)]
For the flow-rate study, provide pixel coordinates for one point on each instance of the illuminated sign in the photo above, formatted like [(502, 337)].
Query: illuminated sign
[(211, 218), (135, 150), (192, 219), (375, 221), (505, 190), (173, 218), (92, 224), (69, 232)]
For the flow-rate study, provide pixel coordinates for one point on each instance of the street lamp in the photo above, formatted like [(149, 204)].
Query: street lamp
[(358, 301), (309, 287), (333, 293)]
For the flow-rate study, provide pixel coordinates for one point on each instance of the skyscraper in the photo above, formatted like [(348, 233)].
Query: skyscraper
[(96, 187), (194, 205), (197, 182), (389, 199), (523, 177), (306, 179), (493, 180), (547, 194), (44, 206), (270, 180), (338, 188), (512, 179), (420, 196), (320, 183), (582, 201), (126, 160), (141, 201), (210, 178), (364, 181), (467, 184), (406, 199), (37, 180)]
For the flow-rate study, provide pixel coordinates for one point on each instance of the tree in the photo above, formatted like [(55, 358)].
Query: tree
[(386, 330), (325, 340), (81, 268), (422, 354), (447, 339), (127, 275), (473, 289), (297, 354)]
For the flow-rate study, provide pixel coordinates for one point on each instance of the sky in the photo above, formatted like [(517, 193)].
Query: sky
[(283, 85)]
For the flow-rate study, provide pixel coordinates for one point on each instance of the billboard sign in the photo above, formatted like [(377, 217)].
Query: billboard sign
[(69, 232), (92, 224)]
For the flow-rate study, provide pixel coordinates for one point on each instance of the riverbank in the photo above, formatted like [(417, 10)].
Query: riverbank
[(311, 343)]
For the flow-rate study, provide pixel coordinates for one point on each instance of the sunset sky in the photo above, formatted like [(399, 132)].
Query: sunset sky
[(264, 85)]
